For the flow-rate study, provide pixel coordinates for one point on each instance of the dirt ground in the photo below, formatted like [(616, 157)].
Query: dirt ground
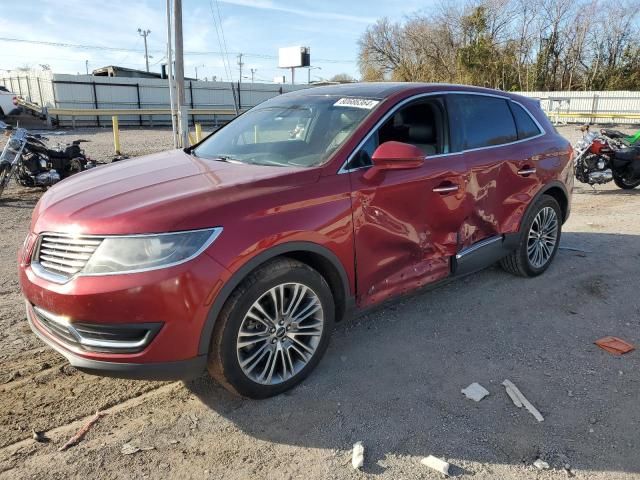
[(390, 379)]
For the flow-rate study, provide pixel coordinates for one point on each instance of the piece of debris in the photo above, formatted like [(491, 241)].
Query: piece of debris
[(519, 400), (475, 392), (436, 463), (357, 456), (12, 376), (573, 249), (541, 464), (130, 449), (615, 345), (39, 436), (82, 432)]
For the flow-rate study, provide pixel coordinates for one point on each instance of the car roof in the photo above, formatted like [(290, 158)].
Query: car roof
[(382, 90)]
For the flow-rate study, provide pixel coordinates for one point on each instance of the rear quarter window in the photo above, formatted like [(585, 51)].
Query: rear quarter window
[(480, 121), (527, 128)]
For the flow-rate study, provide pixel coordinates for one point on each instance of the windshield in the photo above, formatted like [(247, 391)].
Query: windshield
[(288, 131)]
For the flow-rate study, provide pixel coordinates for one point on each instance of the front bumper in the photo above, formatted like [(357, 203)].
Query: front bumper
[(177, 298), (178, 370)]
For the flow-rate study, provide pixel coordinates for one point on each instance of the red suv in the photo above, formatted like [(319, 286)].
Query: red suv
[(240, 253)]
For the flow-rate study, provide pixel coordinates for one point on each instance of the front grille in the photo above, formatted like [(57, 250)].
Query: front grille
[(65, 255), (94, 337), (55, 327)]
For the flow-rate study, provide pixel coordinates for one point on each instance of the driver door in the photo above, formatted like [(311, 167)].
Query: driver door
[(407, 222)]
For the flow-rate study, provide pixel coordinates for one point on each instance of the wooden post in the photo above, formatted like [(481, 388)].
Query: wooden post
[(116, 134), (198, 132)]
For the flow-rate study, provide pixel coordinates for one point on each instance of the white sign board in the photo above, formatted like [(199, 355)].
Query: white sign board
[(290, 57)]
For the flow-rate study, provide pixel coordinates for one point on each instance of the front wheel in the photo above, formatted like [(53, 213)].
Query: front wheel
[(541, 230), (5, 175), (273, 330), (626, 183)]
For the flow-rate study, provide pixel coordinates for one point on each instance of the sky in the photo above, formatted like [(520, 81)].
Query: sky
[(256, 28)]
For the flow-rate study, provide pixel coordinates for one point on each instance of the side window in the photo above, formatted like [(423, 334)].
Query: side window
[(362, 158), (527, 128), (421, 123), (480, 121)]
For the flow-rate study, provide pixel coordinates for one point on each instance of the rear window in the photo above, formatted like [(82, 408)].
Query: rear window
[(480, 121), (527, 128)]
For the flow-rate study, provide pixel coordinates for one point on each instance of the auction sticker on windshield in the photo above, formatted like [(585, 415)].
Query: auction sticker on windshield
[(365, 103)]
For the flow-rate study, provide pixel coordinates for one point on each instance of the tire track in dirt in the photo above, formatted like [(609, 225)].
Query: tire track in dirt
[(60, 396), (60, 433)]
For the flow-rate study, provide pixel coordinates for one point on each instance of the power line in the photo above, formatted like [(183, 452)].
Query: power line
[(225, 57), (120, 49)]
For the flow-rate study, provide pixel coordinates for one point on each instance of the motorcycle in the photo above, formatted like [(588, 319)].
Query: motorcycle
[(605, 156), (27, 158)]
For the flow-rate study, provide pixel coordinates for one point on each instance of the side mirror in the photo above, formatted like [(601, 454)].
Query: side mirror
[(394, 156)]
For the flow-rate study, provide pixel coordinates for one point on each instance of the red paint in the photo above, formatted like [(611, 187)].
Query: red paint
[(389, 229)]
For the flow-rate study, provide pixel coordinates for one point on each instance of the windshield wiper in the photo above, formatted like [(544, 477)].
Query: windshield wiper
[(226, 158)]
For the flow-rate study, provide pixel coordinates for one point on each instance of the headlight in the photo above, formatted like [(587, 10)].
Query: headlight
[(135, 253)]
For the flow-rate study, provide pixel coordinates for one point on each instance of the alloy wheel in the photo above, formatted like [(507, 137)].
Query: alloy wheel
[(280, 333), (542, 238)]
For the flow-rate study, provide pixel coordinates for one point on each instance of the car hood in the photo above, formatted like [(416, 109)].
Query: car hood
[(168, 191)]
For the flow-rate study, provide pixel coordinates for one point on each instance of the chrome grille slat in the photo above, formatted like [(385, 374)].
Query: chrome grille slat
[(62, 261), (69, 248), (72, 241), (58, 267), (65, 255)]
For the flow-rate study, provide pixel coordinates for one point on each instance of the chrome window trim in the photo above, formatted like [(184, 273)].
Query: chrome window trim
[(396, 107), (39, 271)]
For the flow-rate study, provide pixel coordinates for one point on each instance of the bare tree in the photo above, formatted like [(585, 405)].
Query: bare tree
[(509, 44)]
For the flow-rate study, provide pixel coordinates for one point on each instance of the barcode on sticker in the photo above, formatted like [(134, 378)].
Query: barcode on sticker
[(356, 103)]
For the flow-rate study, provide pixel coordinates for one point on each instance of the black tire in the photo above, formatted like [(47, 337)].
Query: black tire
[(224, 364), (5, 171), (625, 184), (518, 262), (75, 166)]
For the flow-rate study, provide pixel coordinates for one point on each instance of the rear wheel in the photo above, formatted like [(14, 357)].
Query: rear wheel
[(626, 183), (539, 241), (273, 330)]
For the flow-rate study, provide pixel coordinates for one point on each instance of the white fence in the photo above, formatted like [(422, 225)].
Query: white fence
[(79, 92), (82, 92), (590, 107)]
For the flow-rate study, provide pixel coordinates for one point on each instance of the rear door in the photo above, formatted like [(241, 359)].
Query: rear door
[(406, 222), (502, 168)]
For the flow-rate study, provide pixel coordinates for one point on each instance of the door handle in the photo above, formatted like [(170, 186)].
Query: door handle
[(526, 171), (446, 188)]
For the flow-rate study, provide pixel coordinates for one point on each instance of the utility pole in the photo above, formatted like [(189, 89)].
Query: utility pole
[(309, 72), (170, 77), (86, 66), (183, 125), (253, 72), (240, 64), (144, 33), (196, 67)]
